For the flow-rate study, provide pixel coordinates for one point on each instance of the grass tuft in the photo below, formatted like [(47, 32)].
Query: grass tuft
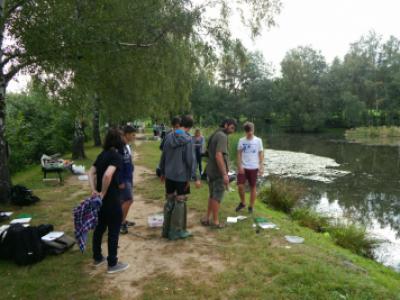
[(354, 238), (283, 194), (308, 218)]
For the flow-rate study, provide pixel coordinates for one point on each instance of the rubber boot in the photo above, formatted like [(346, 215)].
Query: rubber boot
[(177, 220), (168, 208)]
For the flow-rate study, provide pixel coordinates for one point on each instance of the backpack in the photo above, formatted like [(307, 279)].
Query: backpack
[(59, 245), (22, 196), (22, 244)]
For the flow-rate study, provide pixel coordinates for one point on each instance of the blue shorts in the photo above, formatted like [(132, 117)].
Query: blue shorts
[(126, 194)]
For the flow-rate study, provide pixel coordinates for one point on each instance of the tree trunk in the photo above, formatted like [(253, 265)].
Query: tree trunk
[(5, 178), (96, 121), (78, 145)]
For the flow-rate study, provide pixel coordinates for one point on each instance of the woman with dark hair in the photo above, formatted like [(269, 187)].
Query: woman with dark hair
[(103, 179)]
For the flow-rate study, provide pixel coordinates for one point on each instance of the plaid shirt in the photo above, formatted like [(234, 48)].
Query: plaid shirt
[(85, 219)]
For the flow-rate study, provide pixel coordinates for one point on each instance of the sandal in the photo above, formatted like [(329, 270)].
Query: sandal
[(205, 222), (218, 226)]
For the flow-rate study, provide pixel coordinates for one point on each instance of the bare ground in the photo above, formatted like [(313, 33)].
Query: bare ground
[(149, 255)]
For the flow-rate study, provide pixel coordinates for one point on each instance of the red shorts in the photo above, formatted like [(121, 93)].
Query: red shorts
[(250, 175)]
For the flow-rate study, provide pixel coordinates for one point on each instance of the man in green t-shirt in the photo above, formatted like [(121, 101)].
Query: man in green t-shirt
[(217, 170)]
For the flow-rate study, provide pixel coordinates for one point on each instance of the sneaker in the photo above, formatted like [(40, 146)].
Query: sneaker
[(130, 223), (124, 229), (98, 263), (119, 267), (250, 210), (240, 207)]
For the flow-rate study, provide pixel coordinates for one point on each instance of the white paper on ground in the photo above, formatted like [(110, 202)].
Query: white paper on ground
[(83, 177), (231, 220), (21, 221), (156, 220), (294, 239), (267, 225), (53, 235), (6, 213), (240, 218)]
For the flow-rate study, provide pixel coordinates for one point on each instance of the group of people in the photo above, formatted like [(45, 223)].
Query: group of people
[(111, 178), (182, 155)]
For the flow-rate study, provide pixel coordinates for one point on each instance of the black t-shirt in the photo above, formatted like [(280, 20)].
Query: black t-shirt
[(104, 160)]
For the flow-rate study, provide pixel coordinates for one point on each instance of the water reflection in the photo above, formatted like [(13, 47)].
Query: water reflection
[(370, 194)]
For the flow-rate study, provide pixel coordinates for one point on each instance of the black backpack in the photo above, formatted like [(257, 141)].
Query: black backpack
[(22, 244), (22, 196)]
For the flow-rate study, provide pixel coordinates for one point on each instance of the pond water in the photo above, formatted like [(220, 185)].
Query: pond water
[(345, 180)]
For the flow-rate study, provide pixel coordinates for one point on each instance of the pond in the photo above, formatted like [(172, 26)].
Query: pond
[(345, 180)]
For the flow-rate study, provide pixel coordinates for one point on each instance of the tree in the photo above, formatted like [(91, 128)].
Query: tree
[(63, 38), (303, 69)]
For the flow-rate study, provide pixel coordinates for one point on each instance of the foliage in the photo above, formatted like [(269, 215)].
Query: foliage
[(283, 194), (354, 238), (36, 126), (308, 218)]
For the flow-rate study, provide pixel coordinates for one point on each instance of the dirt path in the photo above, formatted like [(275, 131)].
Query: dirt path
[(149, 255)]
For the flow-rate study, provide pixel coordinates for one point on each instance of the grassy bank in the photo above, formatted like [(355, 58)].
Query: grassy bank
[(264, 265), (257, 265), (374, 135), (57, 277)]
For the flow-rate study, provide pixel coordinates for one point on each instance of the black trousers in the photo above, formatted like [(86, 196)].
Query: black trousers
[(110, 217)]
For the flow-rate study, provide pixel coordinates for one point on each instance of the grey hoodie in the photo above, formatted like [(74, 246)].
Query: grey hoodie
[(178, 159)]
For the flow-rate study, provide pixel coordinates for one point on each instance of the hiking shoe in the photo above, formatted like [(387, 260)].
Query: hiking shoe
[(250, 210), (205, 222), (98, 263), (240, 206), (119, 267), (124, 229), (130, 223), (218, 226)]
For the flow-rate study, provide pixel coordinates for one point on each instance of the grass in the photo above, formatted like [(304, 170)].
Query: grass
[(379, 135), (283, 195), (259, 266), (56, 277), (354, 238), (308, 218)]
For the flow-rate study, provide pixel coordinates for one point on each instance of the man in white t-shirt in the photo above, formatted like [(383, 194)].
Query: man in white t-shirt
[(250, 160)]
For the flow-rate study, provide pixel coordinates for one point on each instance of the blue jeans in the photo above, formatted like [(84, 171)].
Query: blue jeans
[(109, 217)]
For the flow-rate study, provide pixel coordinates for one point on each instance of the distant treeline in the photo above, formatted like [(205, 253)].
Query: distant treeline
[(362, 89)]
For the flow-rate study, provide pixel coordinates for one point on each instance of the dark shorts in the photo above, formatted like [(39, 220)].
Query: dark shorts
[(216, 189), (178, 187), (126, 193), (249, 175)]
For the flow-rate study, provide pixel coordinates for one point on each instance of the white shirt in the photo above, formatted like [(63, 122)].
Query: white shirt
[(250, 152)]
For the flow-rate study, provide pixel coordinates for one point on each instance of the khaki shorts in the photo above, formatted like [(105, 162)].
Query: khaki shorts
[(216, 189)]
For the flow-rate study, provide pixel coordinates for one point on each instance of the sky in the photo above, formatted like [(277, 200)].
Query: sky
[(326, 25)]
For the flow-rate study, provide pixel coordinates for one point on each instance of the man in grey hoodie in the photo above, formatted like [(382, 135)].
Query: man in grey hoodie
[(178, 167)]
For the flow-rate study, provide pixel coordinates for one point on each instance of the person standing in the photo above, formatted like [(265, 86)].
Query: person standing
[(177, 168), (250, 164), (198, 141), (103, 180), (126, 176), (217, 171)]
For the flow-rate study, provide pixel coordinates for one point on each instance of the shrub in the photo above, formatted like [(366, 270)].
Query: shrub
[(354, 238), (308, 218), (283, 195)]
